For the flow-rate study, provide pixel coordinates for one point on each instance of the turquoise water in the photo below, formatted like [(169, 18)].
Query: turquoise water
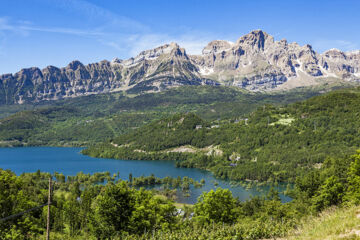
[(69, 161)]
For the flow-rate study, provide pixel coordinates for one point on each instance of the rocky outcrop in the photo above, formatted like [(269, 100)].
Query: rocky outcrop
[(345, 65), (255, 62), (151, 70)]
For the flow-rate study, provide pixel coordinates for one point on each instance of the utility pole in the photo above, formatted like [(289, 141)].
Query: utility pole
[(48, 213)]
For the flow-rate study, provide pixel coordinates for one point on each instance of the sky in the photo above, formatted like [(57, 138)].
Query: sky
[(55, 32)]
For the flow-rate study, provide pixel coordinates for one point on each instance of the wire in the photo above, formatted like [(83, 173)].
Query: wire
[(22, 213)]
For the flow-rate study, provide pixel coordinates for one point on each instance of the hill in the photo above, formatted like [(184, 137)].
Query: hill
[(90, 119), (269, 144)]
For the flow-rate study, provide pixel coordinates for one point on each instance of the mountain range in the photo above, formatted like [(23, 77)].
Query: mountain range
[(255, 62)]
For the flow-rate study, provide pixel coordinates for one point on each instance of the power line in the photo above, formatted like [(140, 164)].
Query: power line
[(34, 208), (22, 213), (48, 212)]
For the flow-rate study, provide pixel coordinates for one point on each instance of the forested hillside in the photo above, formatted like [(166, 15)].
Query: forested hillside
[(270, 144), (86, 120)]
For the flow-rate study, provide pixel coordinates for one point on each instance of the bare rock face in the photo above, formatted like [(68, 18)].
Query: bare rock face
[(217, 46), (254, 62), (345, 65)]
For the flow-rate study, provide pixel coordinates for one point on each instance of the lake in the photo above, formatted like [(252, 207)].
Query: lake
[(70, 161)]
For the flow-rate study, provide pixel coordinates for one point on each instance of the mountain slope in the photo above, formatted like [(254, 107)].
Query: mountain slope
[(271, 144), (254, 62), (89, 119)]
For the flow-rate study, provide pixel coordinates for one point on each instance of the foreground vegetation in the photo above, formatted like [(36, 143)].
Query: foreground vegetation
[(332, 223), (274, 144), (83, 209)]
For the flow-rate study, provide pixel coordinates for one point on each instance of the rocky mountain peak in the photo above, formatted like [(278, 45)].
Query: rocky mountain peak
[(31, 73), (254, 62), (353, 55), (344, 65), (217, 46), (151, 54), (116, 61), (74, 65), (31, 70), (50, 69), (355, 52), (156, 52), (255, 39), (179, 52), (334, 54)]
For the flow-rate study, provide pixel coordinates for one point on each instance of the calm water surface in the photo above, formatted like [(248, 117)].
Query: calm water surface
[(70, 161)]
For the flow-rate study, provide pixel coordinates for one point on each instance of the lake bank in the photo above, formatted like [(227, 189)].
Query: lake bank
[(70, 161)]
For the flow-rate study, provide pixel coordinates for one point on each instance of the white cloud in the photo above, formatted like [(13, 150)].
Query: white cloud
[(112, 44), (5, 25), (24, 27), (126, 36), (347, 45), (193, 42), (343, 45), (71, 31), (129, 44), (123, 33), (94, 12), (2, 44)]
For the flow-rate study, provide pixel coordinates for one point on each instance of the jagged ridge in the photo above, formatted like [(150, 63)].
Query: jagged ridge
[(254, 62)]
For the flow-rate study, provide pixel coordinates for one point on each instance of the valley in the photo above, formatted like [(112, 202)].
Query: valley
[(254, 138)]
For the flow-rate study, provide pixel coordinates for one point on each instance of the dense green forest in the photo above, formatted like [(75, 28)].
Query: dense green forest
[(84, 209), (270, 144), (236, 135), (86, 120)]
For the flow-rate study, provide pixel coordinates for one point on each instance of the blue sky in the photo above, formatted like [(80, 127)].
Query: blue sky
[(55, 32)]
